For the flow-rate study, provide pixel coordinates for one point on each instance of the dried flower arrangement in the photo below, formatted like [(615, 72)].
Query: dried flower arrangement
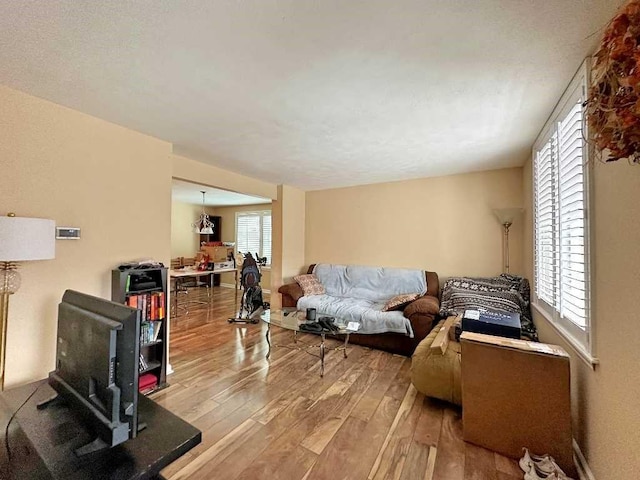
[(613, 107)]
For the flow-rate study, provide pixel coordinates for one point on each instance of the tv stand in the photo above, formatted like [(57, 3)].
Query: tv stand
[(93, 446), (52, 400), (43, 439)]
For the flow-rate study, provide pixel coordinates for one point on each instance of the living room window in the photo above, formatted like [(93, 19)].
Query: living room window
[(253, 233), (561, 226)]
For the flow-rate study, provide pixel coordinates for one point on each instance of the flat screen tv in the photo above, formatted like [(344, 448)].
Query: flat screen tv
[(97, 358)]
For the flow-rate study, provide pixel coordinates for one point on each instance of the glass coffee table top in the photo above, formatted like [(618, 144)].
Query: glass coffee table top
[(291, 320)]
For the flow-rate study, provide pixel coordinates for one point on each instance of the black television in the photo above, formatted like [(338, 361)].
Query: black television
[(96, 374)]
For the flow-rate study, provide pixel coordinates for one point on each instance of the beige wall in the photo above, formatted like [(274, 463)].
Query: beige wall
[(293, 231), (197, 172), (228, 219), (605, 400), (444, 224), (288, 217), (84, 172), (113, 183), (184, 241)]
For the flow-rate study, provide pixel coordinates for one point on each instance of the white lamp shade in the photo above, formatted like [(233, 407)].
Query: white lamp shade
[(507, 215), (23, 239)]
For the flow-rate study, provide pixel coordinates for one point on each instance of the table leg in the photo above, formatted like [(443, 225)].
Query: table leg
[(322, 355), (175, 301), (346, 342), (268, 341)]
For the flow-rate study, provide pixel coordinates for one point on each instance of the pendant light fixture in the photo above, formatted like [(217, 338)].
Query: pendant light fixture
[(204, 225)]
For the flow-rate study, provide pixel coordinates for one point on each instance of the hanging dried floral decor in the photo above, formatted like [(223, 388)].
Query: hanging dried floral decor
[(613, 107)]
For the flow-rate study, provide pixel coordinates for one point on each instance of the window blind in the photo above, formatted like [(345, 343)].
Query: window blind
[(253, 233), (571, 212), (545, 247), (266, 237), (561, 260)]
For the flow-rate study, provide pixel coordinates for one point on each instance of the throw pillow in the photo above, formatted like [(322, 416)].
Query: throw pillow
[(399, 301), (310, 284)]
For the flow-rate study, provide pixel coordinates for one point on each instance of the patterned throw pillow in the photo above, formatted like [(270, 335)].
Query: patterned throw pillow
[(399, 301), (310, 284)]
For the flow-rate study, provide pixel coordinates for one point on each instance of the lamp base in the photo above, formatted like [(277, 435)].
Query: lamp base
[(9, 283), (506, 247), (4, 315), (10, 279)]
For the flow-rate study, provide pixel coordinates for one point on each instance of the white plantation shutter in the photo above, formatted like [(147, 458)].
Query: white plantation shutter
[(561, 253), (248, 233), (545, 246), (253, 233), (266, 237), (572, 213)]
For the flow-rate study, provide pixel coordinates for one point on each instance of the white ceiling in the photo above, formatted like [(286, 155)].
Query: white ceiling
[(187, 192), (310, 93)]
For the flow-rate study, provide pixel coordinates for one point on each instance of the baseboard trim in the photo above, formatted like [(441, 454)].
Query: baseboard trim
[(231, 285), (584, 472)]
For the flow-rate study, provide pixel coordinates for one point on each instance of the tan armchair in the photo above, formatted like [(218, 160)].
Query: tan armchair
[(435, 364)]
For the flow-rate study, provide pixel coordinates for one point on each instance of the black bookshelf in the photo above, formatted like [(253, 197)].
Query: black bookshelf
[(146, 290)]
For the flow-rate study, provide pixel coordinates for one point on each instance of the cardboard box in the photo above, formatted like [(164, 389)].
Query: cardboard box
[(217, 254), (516, 394)]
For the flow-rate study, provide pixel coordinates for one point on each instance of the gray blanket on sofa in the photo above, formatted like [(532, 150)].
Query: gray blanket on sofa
[(357, 294)]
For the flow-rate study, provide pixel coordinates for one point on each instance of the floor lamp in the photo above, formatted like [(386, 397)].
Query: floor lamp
[(506, 217), (21, 240)]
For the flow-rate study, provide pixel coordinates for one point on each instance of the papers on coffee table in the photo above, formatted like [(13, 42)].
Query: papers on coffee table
[(353, 326)]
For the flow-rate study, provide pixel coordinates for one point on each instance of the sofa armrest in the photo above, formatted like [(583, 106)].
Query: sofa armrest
[(426, 305), (291, 293)]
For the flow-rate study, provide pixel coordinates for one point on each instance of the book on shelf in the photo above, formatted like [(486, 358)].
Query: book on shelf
[(150, 331), (151, 305), (156, 330), (143, 363)]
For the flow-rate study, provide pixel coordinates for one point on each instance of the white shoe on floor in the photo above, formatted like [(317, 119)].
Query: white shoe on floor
[(540, 467), (545, 464), (536, 474)]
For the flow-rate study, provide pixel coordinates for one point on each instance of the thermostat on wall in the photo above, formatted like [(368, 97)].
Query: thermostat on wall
[(67, 233)]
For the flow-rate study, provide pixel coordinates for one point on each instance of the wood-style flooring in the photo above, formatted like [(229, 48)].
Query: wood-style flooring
[(278, 419)]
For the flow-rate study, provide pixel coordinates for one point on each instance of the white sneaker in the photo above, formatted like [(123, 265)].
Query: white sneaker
[(545, 464), (536, 474)]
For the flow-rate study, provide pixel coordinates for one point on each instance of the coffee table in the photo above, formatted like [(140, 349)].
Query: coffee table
[(291, 320)]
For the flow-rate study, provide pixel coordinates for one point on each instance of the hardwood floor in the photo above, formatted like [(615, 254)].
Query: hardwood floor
[(279, 419)]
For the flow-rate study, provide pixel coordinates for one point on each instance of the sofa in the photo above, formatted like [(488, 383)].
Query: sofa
[(358, 293)]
